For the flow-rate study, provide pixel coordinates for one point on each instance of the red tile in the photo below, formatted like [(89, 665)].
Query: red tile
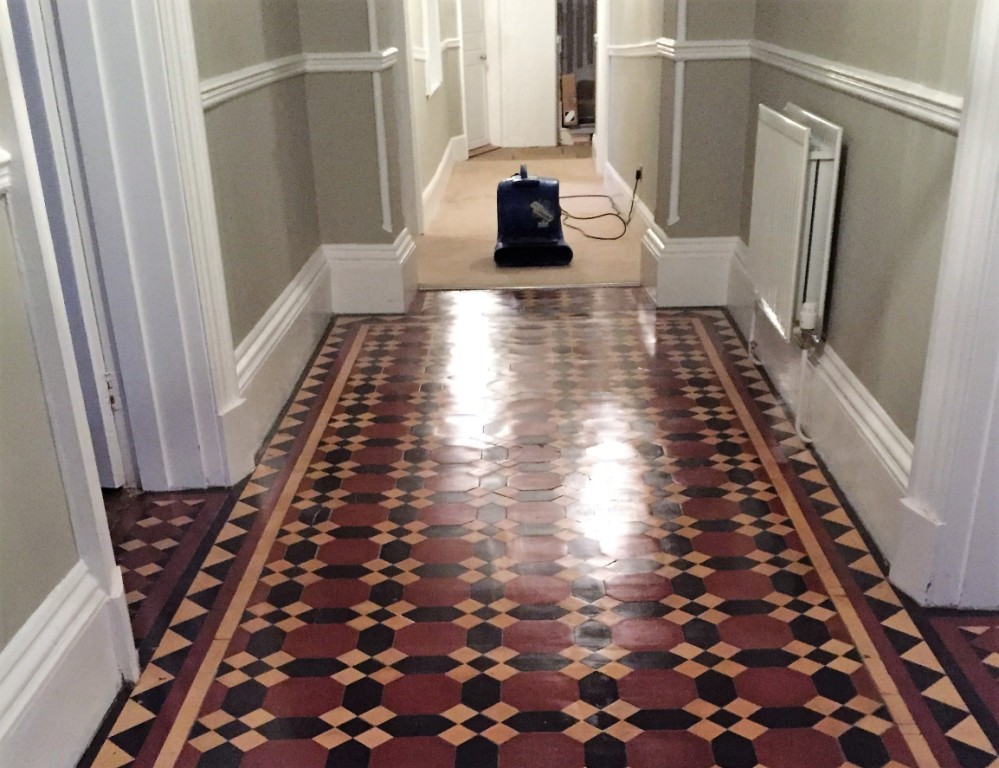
[(682, 425), (303, 697), (540, 691), (430, 639), (537, 590), (690, 449), (538, 636), (775, 687), (532, 549), (647, 634), (288, 753), (443, 550), (336, 593), (676, 749), (388, 430), (535, 481), (531, 750), (628, 547), (797, 747), (383, 456), (447, 514), (710, 509), (638, 587), (428, 593), (536, 512), (452, 483), (320, 641), (348, 551), (368, 483), (750, 632), (723, 544), (421, 695), (704, 476), (738, 585), (413, 752), (359, 515), (657, 689)]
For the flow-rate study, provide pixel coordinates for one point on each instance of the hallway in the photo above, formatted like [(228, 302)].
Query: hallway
[(526, 528), (456, 251)]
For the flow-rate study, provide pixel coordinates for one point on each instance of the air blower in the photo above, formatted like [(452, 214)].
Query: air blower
[(530, 223)]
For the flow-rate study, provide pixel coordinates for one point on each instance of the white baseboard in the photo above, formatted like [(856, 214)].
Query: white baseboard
[(620, 190), (59, 675), (865, 450), (686, 272), (433, 195), (373, 279), (270, 359)]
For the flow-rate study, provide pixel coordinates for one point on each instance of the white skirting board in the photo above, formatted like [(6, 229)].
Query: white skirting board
[(866, 452), (433, 195), (59, 674), (373, 279), (270, 360), (686, 272)]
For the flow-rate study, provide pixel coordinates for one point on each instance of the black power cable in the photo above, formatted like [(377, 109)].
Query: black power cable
[(616, 214)]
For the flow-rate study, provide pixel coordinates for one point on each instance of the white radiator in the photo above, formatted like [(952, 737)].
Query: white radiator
[(791, 227)]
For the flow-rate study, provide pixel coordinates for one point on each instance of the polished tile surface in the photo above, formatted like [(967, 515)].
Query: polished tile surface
[(544, 528)]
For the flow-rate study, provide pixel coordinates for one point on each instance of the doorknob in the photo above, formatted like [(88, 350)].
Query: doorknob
[(482, 57)]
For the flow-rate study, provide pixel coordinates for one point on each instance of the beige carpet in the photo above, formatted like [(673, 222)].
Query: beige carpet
[(457, 249)]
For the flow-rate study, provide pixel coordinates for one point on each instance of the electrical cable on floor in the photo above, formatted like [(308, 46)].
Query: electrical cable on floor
[(616, 214)]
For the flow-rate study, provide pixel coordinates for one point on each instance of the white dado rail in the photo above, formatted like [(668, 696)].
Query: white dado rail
[(920, 102), (222, 88)]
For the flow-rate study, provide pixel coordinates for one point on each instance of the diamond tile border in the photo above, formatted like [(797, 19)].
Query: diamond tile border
[(941, 711)]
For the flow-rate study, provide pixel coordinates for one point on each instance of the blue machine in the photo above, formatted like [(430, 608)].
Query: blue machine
[(530, 223)]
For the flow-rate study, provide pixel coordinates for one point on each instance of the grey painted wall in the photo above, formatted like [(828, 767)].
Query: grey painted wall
[(265, 195), (334, 25), (295, 163), (926, 41), (896, 185), (34, 515), (720, 19), (232, 34), (714, 142)]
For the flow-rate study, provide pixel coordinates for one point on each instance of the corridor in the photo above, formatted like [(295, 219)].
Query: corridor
[(536, 528)]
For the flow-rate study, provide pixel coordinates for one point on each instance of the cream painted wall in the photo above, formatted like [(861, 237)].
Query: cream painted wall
[(265, 195), (635, 92), (636, 21), (636, 111), (927, 41), (34, 512), (232, 34), (437, 117)]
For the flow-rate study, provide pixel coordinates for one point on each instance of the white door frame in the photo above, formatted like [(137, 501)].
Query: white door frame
[(948, 541), (464, 78), (167, 309), (602, 131), (54, 348), (50, 112)]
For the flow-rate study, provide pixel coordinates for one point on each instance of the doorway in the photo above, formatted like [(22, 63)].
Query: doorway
[(577, 27)]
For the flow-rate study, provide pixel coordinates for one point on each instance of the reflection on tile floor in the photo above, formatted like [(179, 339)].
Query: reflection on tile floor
[(547, 528)]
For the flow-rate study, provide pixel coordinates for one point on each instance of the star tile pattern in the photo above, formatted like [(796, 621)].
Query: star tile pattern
[(542, 527)]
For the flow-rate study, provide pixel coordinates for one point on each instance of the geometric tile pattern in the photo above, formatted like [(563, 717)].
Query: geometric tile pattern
[(157, 539), (541, 527)]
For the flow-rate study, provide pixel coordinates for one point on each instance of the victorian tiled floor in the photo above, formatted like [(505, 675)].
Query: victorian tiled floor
[(536, 528)]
